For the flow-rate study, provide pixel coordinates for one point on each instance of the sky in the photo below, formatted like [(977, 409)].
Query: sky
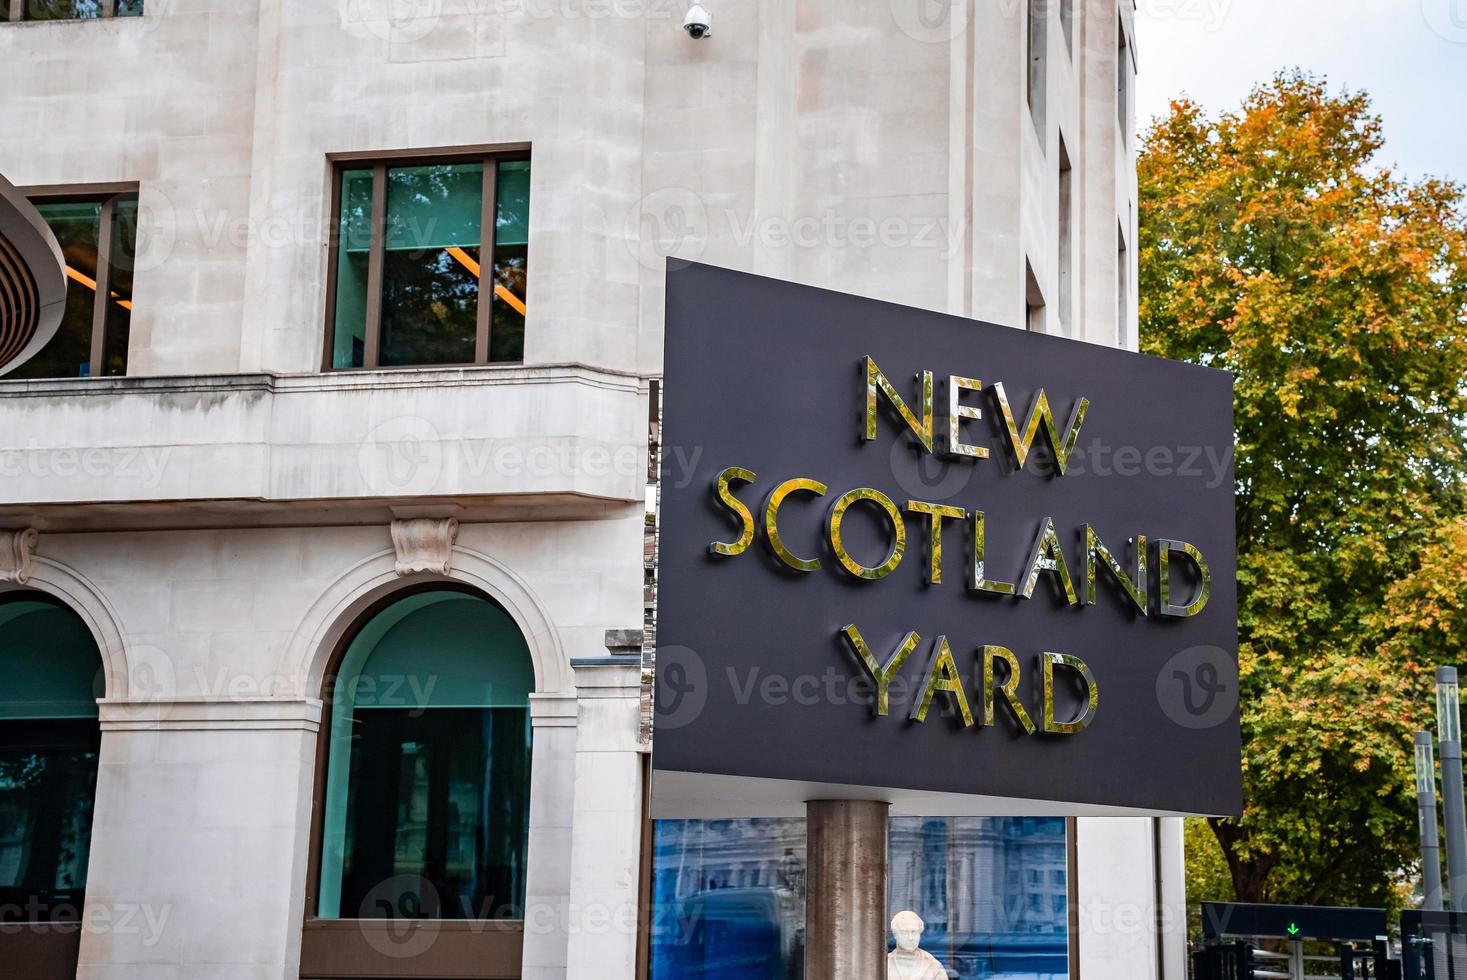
[(1410, 55)]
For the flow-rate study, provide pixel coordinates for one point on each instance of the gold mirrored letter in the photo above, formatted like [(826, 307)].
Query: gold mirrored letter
[(942, 677), (837, 516), (771, 521), (1096, 549), (957, 412), (876, 381), (1009, 689), (724, 493), (977, 569), (1048, 556), (880, 674), (935, 514), (1165, 607), (1040, 415), (1092, 701)]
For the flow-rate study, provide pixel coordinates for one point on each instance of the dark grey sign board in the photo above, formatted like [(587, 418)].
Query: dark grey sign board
[(949, 564)]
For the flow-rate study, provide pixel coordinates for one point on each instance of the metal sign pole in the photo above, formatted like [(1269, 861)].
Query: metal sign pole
[(1431, 858), (1449, 734)]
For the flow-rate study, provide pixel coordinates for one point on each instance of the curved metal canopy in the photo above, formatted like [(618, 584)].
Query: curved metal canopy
[(32, 280)]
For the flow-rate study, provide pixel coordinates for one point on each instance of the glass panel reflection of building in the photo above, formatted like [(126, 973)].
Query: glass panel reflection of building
[(729, 896), (994, 893)]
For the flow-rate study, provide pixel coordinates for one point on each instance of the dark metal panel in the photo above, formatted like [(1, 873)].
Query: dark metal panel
[(349, 949), (766, 375), (1221, 920), (41, 951)]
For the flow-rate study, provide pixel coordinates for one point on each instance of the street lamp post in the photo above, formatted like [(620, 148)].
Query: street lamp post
[(1431, 858), (1449, 734)]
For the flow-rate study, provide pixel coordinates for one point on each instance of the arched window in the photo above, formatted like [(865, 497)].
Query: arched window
[(425, 801), (49, 742)]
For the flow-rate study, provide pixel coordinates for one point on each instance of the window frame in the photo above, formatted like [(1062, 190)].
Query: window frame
[(474, 949), (107, 194), (379, 164), (15, 13)]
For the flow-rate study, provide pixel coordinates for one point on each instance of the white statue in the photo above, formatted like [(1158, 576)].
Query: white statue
[(909, 961)]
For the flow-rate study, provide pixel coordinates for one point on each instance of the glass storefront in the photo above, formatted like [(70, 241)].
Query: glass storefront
[(993, 894)]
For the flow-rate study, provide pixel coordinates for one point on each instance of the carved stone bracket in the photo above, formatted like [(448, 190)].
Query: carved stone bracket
[(16, 548), (424, 544)]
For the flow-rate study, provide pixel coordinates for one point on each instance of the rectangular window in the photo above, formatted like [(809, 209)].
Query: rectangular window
[(1033, 301), (1038, 63), (1123, 83), (16, 10), (728, 896), (1066, 236), (429, 263), (1123, 290), (97, 233)]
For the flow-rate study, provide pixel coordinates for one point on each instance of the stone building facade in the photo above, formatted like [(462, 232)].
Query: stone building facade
[(367, 326)]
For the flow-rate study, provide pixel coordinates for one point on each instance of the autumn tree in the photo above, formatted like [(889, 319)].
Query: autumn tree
[(1273, 244)]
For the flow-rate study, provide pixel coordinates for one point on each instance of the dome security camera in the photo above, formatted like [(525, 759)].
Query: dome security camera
[(698, 23)]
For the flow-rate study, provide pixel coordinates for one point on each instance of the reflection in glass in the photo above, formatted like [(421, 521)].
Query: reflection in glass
[(436, 809), (993, 893), (427, 782), (119, 287), (63, 9), (48, 779), (353, 252), (430, 288), (511, 258), (129, 8), (49, 740), (76, 225), (69, 353), (728, 900), (729, 896)]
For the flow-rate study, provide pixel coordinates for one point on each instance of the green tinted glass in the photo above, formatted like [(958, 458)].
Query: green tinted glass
[(69, 353), (511, 261), (119, 286), (352, 255), (430, 265), (427, 781)]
